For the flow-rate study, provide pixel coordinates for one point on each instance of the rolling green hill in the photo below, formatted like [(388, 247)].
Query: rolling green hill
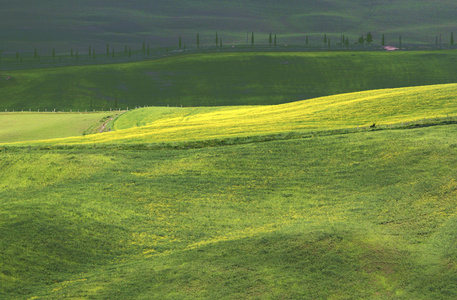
[(346, 111), (370, 215), (68, 24), (221, 79)]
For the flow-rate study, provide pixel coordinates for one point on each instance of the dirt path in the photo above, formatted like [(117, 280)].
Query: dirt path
[(102, 128)]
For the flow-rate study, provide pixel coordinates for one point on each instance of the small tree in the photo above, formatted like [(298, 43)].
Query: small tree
[(383, 43), (198, 40), (252, 39), (270, 39), (275, 40), (306, 40), (217, 40), (361, 40), (369, 38), (452, 38)]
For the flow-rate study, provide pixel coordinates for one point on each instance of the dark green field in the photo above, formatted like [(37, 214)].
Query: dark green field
[(69, 24), (221, 79)]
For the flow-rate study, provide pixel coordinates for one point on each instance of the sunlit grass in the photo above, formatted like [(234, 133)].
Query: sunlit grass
[(363, 215), (361, 109), (28, 126)]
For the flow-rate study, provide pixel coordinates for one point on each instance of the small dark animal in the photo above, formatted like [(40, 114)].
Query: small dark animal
[(373, 126)]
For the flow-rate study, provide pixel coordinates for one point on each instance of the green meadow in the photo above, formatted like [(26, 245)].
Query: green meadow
[(221, 79), (368, 215), (28, 126), (134, 166), (262, 175)]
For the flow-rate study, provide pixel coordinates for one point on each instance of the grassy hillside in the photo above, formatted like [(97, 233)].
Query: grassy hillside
[(221, 79), (346, 111), (369, 215), (68, 24)]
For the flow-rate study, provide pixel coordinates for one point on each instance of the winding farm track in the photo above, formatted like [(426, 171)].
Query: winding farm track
[(103, 127)]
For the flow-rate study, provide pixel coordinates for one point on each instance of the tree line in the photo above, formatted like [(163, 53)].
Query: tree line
[(251, 40)]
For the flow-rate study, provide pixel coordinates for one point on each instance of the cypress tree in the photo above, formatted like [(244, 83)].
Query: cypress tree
[(275, 40), (369, 38), (270, 39), (198, 40), (217, 40), (452, 38), (361, 40), (383, 41), (306, 40), (252, 39)]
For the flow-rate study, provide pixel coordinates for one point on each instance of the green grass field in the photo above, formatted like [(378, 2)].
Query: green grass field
[(25, 126), (220, 79), (366, 215), (235, 172)]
